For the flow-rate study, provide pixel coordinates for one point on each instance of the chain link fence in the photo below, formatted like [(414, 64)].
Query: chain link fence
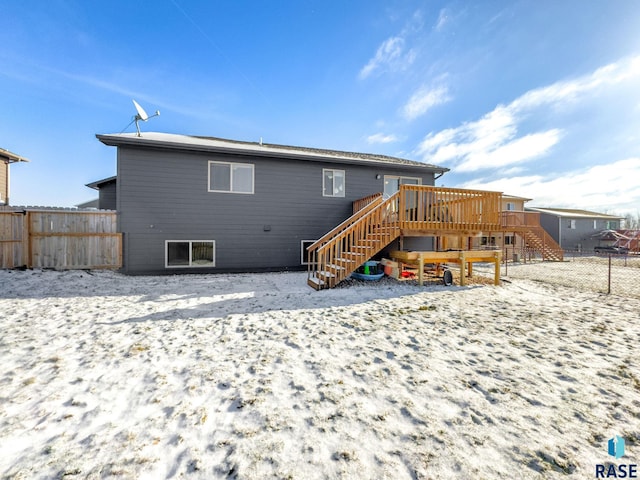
[(609, 274)]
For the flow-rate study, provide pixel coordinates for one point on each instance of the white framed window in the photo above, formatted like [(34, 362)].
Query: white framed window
[(511, 206), (572, 224), (227, 177), (595, 224), (333, 183), (509, 240), (304, 255), (189, 253)]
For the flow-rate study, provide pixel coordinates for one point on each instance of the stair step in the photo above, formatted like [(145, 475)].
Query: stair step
[(315, 282), (337, 268), (344, 260), (353, 254), (325, 274)]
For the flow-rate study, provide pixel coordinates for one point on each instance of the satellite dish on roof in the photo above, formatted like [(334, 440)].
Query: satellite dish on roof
[(142, 115)]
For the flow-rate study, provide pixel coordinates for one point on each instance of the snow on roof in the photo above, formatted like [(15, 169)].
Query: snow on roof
[(201, 143), (573, 213)]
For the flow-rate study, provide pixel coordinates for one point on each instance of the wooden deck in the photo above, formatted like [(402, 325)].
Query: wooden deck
[(414, 210), (464, 258)]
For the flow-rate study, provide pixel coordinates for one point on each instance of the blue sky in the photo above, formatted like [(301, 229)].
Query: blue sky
[(539, 99)]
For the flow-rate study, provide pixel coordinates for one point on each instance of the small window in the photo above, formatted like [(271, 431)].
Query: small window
[(304, 255), (572, 224), (190, 253), (231, 177), (511, 206), (332, 183), (509, 240), (595, 224)]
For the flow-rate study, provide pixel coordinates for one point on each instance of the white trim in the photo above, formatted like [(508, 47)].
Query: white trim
[(166, 254), (344, 180), (231, 165), (302, 250)]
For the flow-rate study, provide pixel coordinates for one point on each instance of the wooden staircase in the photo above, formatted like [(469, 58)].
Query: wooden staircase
[(341, 251), (527, 226), (540, 241)]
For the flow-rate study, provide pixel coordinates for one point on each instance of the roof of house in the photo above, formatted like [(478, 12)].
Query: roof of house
[(221, 145), (99, 183), (8, 157), (574, 213), (515, 197)]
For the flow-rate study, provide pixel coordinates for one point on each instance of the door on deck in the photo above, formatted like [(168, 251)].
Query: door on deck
[(392, 185)]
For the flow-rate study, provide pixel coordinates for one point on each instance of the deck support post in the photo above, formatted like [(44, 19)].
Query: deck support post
[(463, 273)]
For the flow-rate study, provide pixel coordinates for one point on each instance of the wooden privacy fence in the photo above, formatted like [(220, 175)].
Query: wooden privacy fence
[(61, 239)]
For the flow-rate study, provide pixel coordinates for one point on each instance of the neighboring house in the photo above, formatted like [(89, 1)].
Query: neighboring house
[(201, 204), (7, 158), (575, 229), (106, 193)]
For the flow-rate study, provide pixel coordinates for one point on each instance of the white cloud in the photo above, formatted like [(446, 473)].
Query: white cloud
[(425, 98), (519, 150), (494, 141), (602, 188), (389, 53), (382, 138), (392, 55), (443, 19)]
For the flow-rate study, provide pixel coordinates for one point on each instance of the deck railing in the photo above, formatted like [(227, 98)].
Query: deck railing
[(443, 210), (414, 209), (520, 219)]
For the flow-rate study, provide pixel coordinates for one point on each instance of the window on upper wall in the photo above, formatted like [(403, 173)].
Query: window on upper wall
[(511, 206), (190, 253), (227, 177), (572, 224), (612, 225), (333, 184), (595, 224)]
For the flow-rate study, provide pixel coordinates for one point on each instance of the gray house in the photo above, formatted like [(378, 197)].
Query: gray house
[(201, 204), (575, 229), (106, 193)]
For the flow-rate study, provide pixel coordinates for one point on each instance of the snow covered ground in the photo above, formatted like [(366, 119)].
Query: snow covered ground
[(258, 376)]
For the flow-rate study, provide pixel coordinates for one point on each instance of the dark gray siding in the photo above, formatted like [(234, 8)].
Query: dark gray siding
[(163, 195), (107, 196), (550, 224), (583, 237)]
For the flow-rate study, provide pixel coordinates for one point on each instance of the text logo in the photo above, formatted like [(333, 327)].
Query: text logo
[(616, 446)]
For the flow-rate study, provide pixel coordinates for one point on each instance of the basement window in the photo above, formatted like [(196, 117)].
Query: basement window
[(190, 253), (304, 254), (226, 177)]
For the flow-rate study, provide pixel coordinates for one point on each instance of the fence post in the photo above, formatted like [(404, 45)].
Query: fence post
[(609, 280)]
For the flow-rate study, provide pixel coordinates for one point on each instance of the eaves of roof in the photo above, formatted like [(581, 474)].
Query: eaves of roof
[(98, 183), (221, 145), (573, 213), (8, 157)]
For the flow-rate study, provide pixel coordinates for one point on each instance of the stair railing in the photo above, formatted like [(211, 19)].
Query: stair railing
[(359, 228)]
